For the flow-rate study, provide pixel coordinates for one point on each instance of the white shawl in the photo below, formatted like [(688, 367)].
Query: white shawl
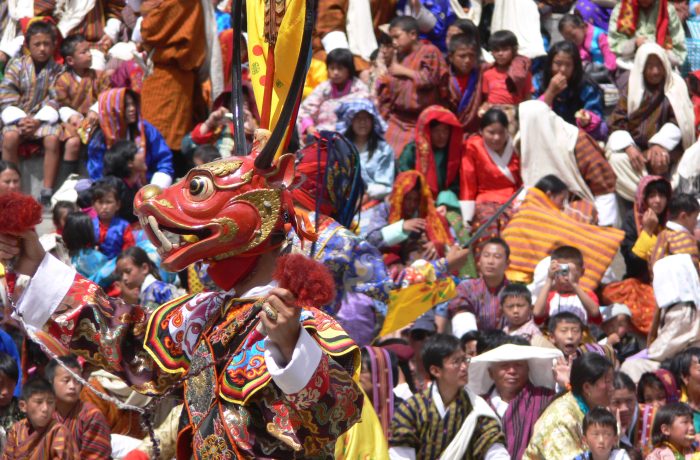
[(547, 146), (16, 10), (70, 13), (518, 16), (360, 29), (675, 90)]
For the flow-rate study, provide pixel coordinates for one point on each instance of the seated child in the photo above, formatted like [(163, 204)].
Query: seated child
[(598, 60), (112, 233), (566, 333), (205, 154), (673, 432), (59, 213), (76, 90), (141, 283), (516, 307), (617, 332), (9, 404), (509, 81), (561, 291), (85, 423), (465, 80), (122, 163), (39, 436), (28, 109), (600, 436), (678, 236), (657, 388)]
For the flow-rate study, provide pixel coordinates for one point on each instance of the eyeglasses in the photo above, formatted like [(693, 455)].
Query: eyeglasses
[(456, 362)]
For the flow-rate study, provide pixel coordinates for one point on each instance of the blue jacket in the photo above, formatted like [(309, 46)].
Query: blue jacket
[(159, 158), (445, 16), (114, 241)]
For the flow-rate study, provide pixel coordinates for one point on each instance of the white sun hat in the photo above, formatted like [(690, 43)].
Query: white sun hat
[(539, 361)]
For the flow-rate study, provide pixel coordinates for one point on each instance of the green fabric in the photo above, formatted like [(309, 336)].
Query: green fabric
[(393, 233), (407, 162), (449, 199), (462, 236)]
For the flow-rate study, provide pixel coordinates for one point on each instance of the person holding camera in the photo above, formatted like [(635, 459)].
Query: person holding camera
[(561, 291)]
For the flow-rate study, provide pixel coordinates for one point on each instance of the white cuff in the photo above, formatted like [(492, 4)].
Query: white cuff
[(402, 453), (606, 205), (296, 374), (13, 47), (619, 141), (468, 208), (66, 113), (497, 451), (98, 60), (161, 179), (95, 108), (378, 191), (112, 28), (123, 50), (136, 34), (335, 39), (12, 114), (462, 323), (668, 137), (426, 19), (393, 233), (46, 290), (47, 114)]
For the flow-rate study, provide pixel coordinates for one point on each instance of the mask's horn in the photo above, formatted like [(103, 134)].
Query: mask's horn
[(237, 83), (264, 160)]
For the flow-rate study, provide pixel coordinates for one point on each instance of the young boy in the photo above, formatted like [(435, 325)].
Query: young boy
[(600, 436), (425, 424), (509, 81), (516, 308), (85, 423), (617, 331), (113, 233), (417, 78), (28, 110), (465, 80), (39, 436), (76, 90), (678, 236), (566, 333), (9, 405), (561, 291)]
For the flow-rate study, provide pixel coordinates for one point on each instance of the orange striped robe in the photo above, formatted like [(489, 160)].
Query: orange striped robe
[(671, 242), (539, 227), (89, 429), (92, 26), (594, 168), (52, 443)]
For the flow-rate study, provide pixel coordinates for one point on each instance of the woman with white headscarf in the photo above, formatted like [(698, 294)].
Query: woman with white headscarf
[(653, 122)]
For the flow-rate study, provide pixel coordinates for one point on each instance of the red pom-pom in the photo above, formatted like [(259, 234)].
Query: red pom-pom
[(310, 281), (18, 213)]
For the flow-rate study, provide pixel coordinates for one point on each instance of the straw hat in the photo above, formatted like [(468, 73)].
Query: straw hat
[(539, 361)]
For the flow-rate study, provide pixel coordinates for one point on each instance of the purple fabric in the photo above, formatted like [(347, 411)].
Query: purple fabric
[(356, 316), (594, 14)]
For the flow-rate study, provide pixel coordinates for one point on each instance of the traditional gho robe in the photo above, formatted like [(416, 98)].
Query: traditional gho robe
[(674, 239), (74, 95), (465, 102), (557, 433), (94, 21), (89, 429), (240, 402), (401, 100), (53, 442)]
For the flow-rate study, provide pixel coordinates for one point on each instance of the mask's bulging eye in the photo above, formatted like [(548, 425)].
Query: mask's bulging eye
[(201, 188)]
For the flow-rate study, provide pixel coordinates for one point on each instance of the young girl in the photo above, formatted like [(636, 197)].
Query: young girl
[(490, 173), (140, 279), (360, 122), (9, 177), (657, 388), (79, 238), (59, 213), (569, 92), (673, 433), (599, 62)]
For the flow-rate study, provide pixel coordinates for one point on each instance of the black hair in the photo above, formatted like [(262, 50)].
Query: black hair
[(599, 416), (468, 337), (70, 43), (207, 153), (503, 39), (117, 158), (463, 40), (40, 27), (84, 198), (394, 363), (406, 23), (5, 165), (515, 340), (468, 29), (622, 381), (661, 186), (372, 141), (139, 257), (682, 202), (35, 386), (384, 39), (69, 361), (685, 361), (648, 379), (563, 317), (498, 241), (8, 366), (494, 116), (551, 184), (60, 206), (588, 368), (570, 253), (102, 188), (79, 232), (373, 55), (489, 339), (666, 415), (515, 290), (577, 76), (574, 20), (344, 58), (436, 348)]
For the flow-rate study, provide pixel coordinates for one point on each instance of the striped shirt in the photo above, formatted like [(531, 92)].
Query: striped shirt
[(674, 239)]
